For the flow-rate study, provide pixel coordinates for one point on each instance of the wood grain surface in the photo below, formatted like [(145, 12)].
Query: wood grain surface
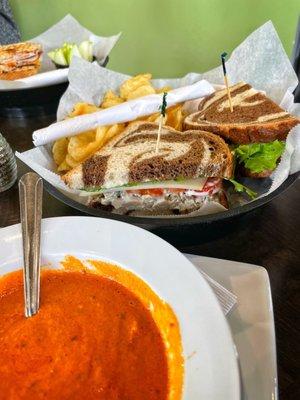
[(269, 237)]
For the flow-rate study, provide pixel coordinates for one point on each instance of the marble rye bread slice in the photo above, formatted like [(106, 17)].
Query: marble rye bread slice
[(255, 117), (131, 158)]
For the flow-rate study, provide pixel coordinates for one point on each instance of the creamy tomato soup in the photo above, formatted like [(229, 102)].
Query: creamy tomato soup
[(94, 338)]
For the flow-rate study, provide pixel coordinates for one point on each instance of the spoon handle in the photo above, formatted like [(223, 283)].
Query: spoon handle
[(30, 197)]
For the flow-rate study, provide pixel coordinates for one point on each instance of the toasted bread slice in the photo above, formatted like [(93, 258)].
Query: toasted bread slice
[(131, 158), (20, 73), (255, 117), (19, 60), (20, 47)]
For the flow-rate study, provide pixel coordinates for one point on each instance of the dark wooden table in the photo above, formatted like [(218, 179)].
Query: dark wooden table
[(270, 238)]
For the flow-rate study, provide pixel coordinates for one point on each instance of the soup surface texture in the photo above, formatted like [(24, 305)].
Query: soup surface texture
[(92, 339)]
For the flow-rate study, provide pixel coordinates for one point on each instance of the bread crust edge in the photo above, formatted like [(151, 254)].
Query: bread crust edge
[(256, 133), (19, 74)]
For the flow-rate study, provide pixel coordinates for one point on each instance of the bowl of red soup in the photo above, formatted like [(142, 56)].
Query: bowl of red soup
[(123, 315)]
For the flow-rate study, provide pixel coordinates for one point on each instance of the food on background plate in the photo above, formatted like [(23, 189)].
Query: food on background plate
[(100, 328), (70, 152), (257, 126), (63, 55), (127, 176), (19, 60)]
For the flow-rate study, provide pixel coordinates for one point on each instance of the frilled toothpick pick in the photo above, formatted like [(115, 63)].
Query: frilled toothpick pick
[(162, 109), (223, 56)]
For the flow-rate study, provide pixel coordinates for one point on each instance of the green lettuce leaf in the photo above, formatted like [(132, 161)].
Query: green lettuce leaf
[(258, 157), (242, 188)]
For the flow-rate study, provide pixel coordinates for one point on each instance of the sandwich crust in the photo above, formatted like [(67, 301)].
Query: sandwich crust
[(20, 73), (21, 46), (131, 157), (255, 117)]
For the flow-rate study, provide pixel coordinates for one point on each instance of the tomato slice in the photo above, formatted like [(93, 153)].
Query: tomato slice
[(150, 192), (210, 185)]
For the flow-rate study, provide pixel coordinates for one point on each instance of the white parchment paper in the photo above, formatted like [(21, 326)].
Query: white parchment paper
[(259, 60), (66, 30)]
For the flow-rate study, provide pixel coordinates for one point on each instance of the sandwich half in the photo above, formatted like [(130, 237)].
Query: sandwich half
[(257, 126), (127, 176), (19, 60)]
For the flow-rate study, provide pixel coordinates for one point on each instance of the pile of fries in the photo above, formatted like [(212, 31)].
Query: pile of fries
[(70, 152)]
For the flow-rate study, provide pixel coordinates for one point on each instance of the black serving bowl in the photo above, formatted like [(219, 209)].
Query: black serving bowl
[(186, 230)]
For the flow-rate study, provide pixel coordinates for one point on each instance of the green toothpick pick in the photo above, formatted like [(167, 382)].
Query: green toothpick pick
[(162, 109)]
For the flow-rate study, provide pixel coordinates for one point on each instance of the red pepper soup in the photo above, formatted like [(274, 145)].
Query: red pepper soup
[(93, 338)]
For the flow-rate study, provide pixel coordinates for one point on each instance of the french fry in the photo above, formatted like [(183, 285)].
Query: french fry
[(153, 117), (163, 89), (105, 133), (140, 92), (83, 108), (71, 161), (60, 150), (82, 145), (63, 167), (132, 84), (114, 130), (111, 99), (101, 133), (175, 117)]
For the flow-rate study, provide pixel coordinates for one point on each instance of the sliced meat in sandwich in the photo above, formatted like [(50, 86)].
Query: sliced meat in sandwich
[(258, 124), (19, 60), (127, 176)]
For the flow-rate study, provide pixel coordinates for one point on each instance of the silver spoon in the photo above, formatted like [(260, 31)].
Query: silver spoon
[(30, 198)]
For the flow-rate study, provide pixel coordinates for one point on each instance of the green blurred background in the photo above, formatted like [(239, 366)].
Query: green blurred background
[(166, 37)]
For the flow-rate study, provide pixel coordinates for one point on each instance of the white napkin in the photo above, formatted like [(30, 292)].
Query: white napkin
[(127, 111), (66, 30), (226, 299)]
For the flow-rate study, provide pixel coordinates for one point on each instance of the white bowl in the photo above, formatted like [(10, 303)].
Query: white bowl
[(212, 372)]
